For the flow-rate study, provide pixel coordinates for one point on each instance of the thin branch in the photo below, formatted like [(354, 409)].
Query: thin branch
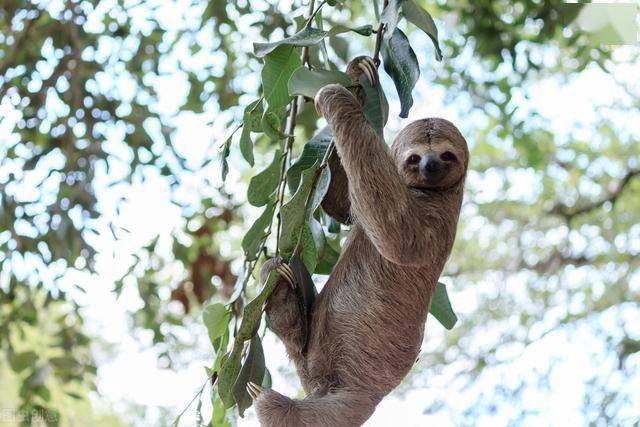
[(293, 113), (570, 212), (379, 34)]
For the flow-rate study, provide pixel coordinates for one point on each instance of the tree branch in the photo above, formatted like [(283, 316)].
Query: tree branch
[(570, 212)]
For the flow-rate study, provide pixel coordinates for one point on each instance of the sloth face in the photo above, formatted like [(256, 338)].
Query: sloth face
[(431, 154)]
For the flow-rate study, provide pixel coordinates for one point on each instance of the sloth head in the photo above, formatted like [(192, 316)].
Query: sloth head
[(431, 154)]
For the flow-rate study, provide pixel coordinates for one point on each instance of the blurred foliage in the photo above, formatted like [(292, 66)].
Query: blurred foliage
[(548, 241)]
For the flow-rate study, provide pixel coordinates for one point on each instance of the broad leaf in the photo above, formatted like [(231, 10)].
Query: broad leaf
[(21, 361), (391, 17), (246, 144), (216, 318), (264, 184), (278, 67), (308, 82), (255, 110), (270, 124), (376, 107), (312, 152), (328, 258), (441, 307), (364, 30), (401, 64), (228, 374), (305, 37), (306, 293), (309, 252), (252, 240), (253, 369), (292, 213), (423, 20)]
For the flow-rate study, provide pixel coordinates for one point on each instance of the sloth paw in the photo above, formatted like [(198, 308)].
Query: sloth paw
[(254, 390), (281, 268), (287, 274), (368, 67)]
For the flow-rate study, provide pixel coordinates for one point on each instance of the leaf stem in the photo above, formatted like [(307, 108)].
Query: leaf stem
[(293, 113), (379, 34)]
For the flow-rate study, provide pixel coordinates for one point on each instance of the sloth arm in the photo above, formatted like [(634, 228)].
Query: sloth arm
[(380, 201), (336, 202)]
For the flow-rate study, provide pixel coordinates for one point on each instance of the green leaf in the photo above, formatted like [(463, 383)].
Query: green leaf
[(21, 361), (376, 107), (308, 82), (401, 64), (306, 294), (321, 188), (279, 65), (255, 111), (309, 252), (364, 30), (252, 370), (270, 124), (228, 374), (441, 307), (423, 20), (312, 152), (391, 16), (328, 258), (292, 213), (246, 144), (216, 318), (252, 240), (266, 380), (305, 37), (264, 184)]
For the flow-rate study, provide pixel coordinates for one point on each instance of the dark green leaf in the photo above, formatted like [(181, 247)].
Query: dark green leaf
[(270, 124), (312, 152), (309, 252), (216, 318), (252, 370), (423, 20), (264, 184), (305, 37), (293, 214), (364, 30), (328, 258), (279, 65), (308, 82), (21, 361), (376, 107), (306, 294), (228, 374), (401, 64), (252, 240), (248, 124), (441, 307)]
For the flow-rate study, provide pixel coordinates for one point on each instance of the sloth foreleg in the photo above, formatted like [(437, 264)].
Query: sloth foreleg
[(282, 309)]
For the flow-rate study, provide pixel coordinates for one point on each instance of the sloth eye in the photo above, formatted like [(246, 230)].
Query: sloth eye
[(413, 159), (448, 156)]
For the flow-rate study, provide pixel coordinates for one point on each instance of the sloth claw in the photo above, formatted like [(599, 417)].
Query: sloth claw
[(254, 390), (368, 67), (287, 273)]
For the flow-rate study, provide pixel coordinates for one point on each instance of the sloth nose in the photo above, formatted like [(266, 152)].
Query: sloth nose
[(431, 165)]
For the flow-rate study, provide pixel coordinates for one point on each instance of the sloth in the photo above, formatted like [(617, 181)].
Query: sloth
[(367, 323)]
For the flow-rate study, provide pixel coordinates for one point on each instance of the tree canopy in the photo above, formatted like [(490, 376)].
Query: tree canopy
[(99, 97)]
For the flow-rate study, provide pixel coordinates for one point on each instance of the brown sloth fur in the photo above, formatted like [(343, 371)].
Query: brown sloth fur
[(368, 321)]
